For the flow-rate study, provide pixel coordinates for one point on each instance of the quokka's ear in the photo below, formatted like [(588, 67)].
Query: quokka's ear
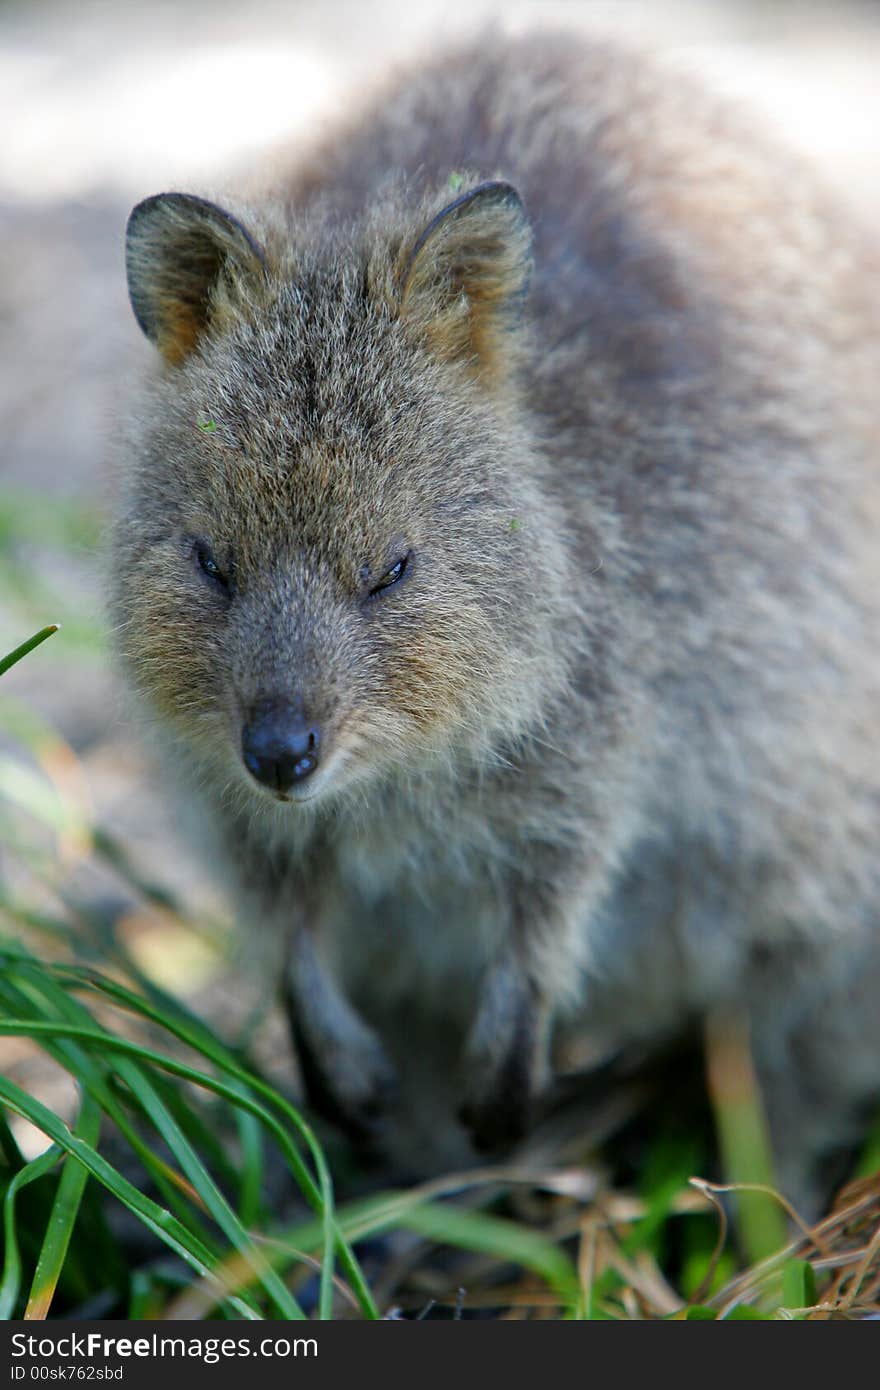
[(180, 252), (466, 276)]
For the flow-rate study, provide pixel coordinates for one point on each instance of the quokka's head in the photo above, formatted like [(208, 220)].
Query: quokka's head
[(332, 557)]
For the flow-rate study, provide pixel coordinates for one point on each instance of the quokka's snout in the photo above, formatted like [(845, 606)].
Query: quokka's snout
[(280, 745)]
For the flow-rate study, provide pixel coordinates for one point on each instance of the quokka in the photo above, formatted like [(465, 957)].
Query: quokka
[(497, 563)]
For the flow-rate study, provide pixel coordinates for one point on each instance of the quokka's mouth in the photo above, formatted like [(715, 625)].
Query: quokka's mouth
[(290, 799), (316, 788), (339, 766)]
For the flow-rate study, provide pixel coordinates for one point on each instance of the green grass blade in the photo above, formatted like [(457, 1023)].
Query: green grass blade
[(62, 1219), (798, 1284), (284, 1303), (869, 1162), (493, 1235), (447, 1225), (144, 1301), (161, 1222), (10, 1284), (238, 1090), (12, 657), (250, 1205), (39, 1029), (96, 1080), (320, 1195), (743, 1136), (162, 1120), (10, 1154)]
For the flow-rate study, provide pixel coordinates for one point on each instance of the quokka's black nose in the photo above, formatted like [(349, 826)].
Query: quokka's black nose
[(279, 746)]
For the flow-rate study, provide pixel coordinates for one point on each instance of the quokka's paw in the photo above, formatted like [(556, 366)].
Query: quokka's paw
[(497, 1119), (346, 1072), (349, 1081), (505, 1062)]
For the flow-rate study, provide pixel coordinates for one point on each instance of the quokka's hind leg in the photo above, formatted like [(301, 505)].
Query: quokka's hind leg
[(817, 1060)]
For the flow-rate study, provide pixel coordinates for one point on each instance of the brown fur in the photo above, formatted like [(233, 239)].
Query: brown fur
[(608, 752)]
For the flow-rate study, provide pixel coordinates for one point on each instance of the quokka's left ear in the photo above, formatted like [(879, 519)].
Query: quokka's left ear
[(465, 278)]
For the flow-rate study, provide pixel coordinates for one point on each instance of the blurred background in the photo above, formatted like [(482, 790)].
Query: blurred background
[(104, 103)]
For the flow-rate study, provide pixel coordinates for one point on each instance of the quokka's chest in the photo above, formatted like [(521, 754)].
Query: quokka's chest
[(410, 915)]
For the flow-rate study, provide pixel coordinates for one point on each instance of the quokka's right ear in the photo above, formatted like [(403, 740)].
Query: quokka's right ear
[(182, 256)]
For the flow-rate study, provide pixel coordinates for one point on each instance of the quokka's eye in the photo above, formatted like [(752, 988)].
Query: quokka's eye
[(391, 576), (209, 567)]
